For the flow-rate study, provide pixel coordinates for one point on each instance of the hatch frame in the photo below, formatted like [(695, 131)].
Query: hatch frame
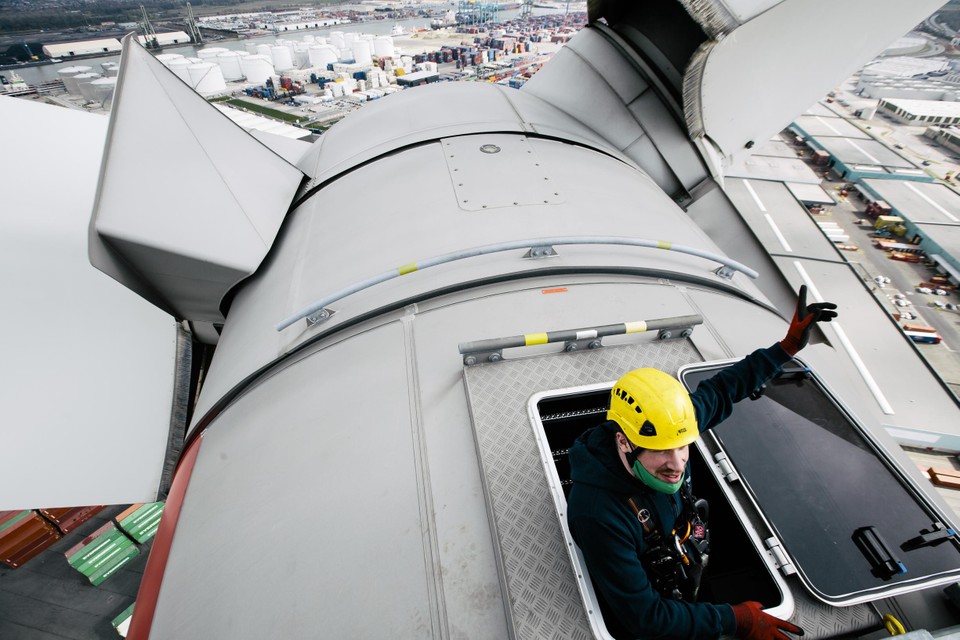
[(784, 610)]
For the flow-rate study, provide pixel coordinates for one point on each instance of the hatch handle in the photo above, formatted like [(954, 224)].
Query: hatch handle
[(491, 350), (884, 563), (936, 534)]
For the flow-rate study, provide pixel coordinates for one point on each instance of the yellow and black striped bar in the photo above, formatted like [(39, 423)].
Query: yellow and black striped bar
[(567, 335)]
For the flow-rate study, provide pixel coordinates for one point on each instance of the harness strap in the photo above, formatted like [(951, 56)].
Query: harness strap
[(674, 566)]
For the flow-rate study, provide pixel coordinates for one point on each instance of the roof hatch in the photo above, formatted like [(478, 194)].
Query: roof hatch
[(854, 526)]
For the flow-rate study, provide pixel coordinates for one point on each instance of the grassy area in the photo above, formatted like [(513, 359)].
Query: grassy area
[(265, 111), (321, 124)]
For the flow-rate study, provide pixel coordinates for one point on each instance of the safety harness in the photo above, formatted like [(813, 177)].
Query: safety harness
[(675, 564)]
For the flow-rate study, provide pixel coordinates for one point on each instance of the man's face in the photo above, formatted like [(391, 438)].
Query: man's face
[(665, 465)]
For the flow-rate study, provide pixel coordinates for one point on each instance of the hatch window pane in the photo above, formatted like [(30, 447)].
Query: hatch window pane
[(838, 508)]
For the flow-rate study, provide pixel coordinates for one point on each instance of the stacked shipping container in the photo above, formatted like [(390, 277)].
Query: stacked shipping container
[(23, 535)]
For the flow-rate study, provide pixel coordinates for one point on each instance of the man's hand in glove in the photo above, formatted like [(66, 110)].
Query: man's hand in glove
[(754, 624), (803, 320)]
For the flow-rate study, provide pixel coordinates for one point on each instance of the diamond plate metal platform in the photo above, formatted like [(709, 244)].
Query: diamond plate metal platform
[(535, 568), (534, 565)]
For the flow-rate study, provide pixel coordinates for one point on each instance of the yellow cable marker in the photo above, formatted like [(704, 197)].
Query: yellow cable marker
[(663, 244), (407, 268), (535, 338), (894, 627), (635, 327)]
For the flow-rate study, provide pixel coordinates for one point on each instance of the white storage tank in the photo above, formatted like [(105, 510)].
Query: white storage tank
[(180, 67), (110, 69), (251, 47), (210, 53), (229, 62), (102, 89), (256, 69), (301, 54), (362, 52), (206, 78), (167, 58), (66, 74), (321, 55), (83, 81), (383, 47), (265, 50), (282, 60), (74, 70), (309, 38), (336, 39)]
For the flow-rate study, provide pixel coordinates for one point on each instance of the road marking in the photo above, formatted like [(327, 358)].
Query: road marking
[(827, 125), (847, 345), (862, 150), (932, 203), (753, 193), (776, 232)]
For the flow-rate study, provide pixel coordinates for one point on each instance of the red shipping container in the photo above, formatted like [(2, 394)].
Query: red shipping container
[(32, 550), (66, 519), (25, 539)]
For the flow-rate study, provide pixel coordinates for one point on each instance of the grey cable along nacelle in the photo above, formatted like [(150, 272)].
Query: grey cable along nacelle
[(538, 248)]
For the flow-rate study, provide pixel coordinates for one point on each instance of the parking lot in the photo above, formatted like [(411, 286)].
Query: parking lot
[(897, 286)]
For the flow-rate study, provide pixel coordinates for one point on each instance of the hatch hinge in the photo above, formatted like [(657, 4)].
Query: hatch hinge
[(726, 469), (780, 556)]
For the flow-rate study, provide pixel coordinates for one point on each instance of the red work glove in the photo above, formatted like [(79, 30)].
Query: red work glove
[(803, 320), (754, 624)]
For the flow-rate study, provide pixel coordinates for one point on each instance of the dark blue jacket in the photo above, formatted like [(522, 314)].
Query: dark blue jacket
[(609, 534)]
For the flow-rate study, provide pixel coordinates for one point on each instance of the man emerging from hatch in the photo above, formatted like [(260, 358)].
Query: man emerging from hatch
[(631, 511)]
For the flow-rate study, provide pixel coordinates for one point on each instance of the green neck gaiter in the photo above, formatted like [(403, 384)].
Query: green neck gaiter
[(655, 483)]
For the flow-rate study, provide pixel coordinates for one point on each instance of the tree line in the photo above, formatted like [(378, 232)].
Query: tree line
[(16, 17)]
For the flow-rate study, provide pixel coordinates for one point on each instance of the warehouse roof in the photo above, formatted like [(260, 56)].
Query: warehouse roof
[(83, 47)]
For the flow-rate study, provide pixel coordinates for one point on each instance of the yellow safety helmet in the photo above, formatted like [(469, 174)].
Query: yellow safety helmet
[(653, 409)]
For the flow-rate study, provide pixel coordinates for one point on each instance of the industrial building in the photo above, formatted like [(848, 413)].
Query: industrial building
[(948, 138), (83, 48), (944, 88), (921, 111), (904, 66), (167, 38), (850, 151)]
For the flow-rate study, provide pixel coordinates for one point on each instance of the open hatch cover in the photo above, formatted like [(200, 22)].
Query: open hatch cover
[(854, 526)]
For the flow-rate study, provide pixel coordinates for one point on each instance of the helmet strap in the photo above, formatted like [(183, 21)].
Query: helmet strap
[(655, 483)]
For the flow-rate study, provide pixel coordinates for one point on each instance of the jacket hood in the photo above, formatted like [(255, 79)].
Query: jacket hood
[(594, 461)]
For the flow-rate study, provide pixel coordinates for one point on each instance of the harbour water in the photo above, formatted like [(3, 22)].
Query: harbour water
[(45, 73)]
